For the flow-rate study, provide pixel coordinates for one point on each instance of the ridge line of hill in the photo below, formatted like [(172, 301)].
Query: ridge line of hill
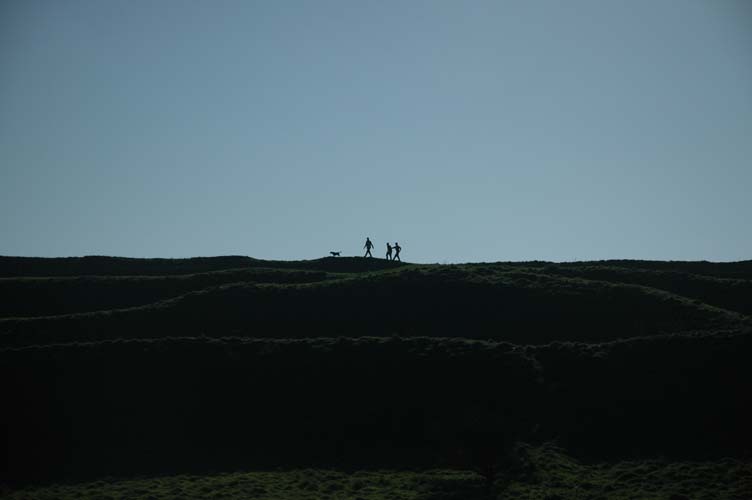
[(121, 266), (127, 266)]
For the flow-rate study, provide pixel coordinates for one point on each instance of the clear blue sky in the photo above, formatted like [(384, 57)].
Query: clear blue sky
[(467, 131)]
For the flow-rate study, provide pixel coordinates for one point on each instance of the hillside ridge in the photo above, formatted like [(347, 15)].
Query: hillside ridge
[(522, 305), (344, 361)]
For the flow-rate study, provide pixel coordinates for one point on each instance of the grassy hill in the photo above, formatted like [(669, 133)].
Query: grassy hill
[(329, 297), (121, 367)]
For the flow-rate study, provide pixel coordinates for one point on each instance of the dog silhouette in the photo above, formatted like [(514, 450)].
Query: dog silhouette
[(335, 254)]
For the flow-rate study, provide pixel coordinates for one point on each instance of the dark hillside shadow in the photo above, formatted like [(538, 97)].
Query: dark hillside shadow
[(518, 307), (197, 404), (34, 297)]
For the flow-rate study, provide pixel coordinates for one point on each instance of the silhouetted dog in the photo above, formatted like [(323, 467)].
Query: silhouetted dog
[(335, 254)]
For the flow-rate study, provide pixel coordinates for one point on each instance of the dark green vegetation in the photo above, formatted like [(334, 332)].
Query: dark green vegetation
[(121, 367), (526, 304), (543, 473)]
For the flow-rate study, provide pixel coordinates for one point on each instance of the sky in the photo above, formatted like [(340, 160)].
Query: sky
[(465, 131)]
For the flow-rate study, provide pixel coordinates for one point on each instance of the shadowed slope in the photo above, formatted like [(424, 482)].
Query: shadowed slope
[(731, 270), (31, 297), (130, 407), (46, 296), (728, 293), (441, 301), (241, 388)]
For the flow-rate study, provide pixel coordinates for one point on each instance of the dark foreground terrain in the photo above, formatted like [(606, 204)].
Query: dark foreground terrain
[(233, 377)]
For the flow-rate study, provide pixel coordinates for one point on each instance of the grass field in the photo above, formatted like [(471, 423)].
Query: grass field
[(232, 377), (544, 473), (525, 305)]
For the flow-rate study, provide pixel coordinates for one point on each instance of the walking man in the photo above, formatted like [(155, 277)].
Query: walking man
[(397, 249), (368, 246), (388, 251)]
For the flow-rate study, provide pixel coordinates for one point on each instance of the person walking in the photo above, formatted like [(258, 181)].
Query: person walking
[(388, 251), (397, 250), (368, 246)]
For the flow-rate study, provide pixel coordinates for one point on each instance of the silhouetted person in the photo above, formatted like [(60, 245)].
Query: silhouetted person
[(388, 251), (368, 246), (397, 249)]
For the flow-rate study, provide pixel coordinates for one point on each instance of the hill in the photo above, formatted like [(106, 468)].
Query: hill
[(121, 367), (329, 297), (158, 406)]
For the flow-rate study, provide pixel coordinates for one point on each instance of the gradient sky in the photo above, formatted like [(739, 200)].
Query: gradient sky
[(467, 131)]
